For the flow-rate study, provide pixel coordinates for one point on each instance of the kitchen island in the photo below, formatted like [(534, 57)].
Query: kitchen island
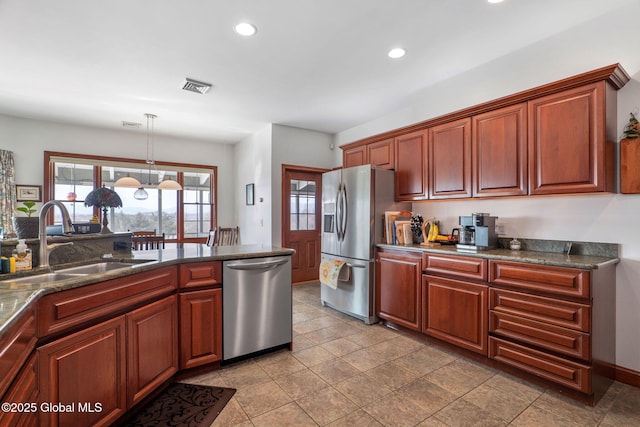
[(113, 338)]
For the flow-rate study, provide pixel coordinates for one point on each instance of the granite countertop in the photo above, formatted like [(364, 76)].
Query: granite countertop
[(584, 261), (16, 297)]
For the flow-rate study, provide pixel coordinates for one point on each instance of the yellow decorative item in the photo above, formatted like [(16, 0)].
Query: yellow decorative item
[(330, 272), (95, 219), (433, 232)]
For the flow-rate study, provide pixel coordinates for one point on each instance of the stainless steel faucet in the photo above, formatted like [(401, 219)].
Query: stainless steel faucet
[(67, 227)]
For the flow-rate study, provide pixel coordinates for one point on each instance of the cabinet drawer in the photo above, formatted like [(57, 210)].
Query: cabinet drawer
[(556, 280), (550, 337), (549, 310), (198, 274), (465, 267), (63, 310), (556, 369)]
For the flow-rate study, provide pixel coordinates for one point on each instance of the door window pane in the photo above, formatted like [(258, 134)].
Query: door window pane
[(197, 201), (302, 205)]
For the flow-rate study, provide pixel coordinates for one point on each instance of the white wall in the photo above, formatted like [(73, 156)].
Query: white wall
[(598, 218), (28, 139), (253, 166), (301, 147)]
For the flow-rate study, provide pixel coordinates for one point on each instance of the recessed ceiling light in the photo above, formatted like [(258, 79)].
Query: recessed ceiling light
[(245, 29), (495, 1), (397, 52)]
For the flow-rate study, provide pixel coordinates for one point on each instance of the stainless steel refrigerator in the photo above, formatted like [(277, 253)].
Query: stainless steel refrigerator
[(353, 204)]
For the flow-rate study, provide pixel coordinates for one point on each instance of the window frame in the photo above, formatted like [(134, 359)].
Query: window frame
[(49, 185)]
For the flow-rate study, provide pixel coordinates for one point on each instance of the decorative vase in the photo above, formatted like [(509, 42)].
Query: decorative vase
[(26, 227)]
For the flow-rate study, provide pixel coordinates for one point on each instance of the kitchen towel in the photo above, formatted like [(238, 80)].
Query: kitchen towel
[(331, 270)]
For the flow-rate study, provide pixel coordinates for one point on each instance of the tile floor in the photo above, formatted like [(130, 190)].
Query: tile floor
[(342, 372)]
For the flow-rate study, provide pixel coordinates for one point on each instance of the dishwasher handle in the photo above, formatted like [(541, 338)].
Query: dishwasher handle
[(257, 265)]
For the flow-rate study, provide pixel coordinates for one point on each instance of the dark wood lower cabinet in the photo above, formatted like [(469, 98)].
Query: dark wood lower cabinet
[(398, 288), (88, 368), (456, 312), (200, 327), (23, 391), (152, 347)]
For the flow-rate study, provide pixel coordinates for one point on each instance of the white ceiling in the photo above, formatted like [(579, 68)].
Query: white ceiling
[(314, 64)]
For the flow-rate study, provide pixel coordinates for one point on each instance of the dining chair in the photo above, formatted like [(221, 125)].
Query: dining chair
[(145, 240), (226, 236)]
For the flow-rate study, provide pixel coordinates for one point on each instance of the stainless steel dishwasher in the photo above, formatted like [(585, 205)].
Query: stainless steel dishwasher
[(256, 305)]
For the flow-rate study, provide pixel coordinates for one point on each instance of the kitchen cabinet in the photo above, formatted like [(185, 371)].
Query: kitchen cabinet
[(200, 327), (379, 153), (554, 322), (152, 347), (15, 347), (411, 173), (88, 366), (629, 170), (398, 287), (24, 390), (356, 156), (200, 274), (449, 163), (500, 152), (568, 147)]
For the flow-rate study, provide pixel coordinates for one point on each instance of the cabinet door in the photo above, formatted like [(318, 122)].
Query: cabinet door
[(152, 347), (450, 160), (200, 327), (23, 390), (500, 152), (411, 166), (381, 154), (87, 367), (567, 141), (456, 312), (398, 288), (354, 156)]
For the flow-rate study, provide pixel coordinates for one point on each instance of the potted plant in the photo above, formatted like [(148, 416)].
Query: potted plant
[(26, 227)]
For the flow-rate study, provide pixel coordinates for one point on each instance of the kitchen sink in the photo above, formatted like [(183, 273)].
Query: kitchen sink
[(42, 278), (101, 267)]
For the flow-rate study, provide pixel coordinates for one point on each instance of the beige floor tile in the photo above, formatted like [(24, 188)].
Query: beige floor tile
[(453, 379), (473, 369), (331, 333), (313, 356), (357, 418), (327, 405), (463, 414), (392, 375), (395, 410), (365, 359), (300, 342), (498, 402), (284, 416), (425, 360), (210, 378), (537, 417), (307, 326), (373, 336), (283, 366), (432, 422), (569, 409), (261, 398), (340, 347), (515, 387), (334, 371), (244, 374), (427, 395), (362, 389), (301, 384), (231, 415)]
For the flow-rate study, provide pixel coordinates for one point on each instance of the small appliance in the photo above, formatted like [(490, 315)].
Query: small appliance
[(477, 232)]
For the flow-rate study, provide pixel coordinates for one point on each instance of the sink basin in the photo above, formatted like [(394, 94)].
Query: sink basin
[(43, 278), (101, 267)]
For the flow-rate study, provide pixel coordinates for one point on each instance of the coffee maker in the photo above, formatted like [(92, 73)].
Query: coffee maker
[(477, 232)]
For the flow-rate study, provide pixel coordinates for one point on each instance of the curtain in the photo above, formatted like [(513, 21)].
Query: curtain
[(7, 190)]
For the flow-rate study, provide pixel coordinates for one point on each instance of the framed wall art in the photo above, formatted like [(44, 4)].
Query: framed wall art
[(26, 193)]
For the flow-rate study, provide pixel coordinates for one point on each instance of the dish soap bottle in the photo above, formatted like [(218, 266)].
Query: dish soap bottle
[(23, 256)]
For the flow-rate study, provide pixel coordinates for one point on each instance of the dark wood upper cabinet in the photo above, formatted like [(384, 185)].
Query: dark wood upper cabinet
[(568, 148), (500, 152), (411, 166), (450, 160), (381, 154), (354, 156)]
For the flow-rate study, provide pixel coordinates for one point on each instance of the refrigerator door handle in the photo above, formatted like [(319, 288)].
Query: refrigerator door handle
[(345, 211), (338, 211)]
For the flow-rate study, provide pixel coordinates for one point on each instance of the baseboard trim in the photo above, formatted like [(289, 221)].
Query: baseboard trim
[(627, 376)]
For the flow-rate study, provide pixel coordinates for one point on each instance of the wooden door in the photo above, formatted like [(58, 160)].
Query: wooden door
[(88, 366), (398, 288), (200, 327), (567, 141), (456, 312), (500, 152), (152, 347), (411, 166), (450, 160), (301, 212)]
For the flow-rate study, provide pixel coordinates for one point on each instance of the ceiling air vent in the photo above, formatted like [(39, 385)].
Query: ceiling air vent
[(196, 86), (126, 124)]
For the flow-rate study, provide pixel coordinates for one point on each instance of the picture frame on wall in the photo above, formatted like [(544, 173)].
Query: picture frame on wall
[(250, 194), (28, 193)]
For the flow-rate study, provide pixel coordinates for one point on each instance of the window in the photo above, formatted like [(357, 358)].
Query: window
[(303, 205), (180, 215)]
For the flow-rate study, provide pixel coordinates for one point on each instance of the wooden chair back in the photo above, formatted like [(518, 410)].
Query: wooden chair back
[(226, 236), (145, 240)]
